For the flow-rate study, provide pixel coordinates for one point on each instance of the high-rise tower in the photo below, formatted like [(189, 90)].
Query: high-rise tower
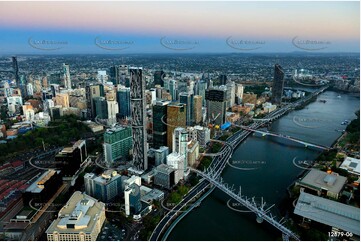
[(278, 82), (66, 76), (137, 104)]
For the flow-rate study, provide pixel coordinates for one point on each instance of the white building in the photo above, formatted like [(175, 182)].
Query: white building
[(239, 92), (66, 76), (133, 179), (113, 109), (351, 165), (180, 144), (81, 219), (102, 77), (192, 133), (203, 135), (268, 107), (30, 89), (177, 161)]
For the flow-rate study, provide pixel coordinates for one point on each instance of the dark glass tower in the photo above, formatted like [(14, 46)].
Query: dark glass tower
[(123, 99), (187, 99), (278, 82), (159, 128), (137, 104), (159, 78)]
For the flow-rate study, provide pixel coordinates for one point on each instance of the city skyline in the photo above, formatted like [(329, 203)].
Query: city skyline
[(173, 27)]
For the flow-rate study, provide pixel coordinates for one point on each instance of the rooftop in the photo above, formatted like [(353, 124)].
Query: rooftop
[(329, 212), (352, 165), (322, 180), (38, 185), (79, 214), (163, 168)]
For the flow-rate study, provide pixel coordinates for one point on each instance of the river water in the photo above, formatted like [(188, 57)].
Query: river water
[(266, 169)]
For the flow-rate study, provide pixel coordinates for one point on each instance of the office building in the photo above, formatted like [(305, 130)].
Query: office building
[(66, 76), (278, 83), (193, 153), (203, 135), (176, 117), (222, 79), (132, 200), (173, 90), (113, 109), (159, 123), (160, 155), (231, 93), (178, 163), (91, 92), (30, 89), (81, 219), (123, 98), (56, 112), (69, 159), (159, 78), (187, 99), (216, 105), (62, 99), (55, 89), (117, 144), (164, 176), (101, 108), (192, 133), (137, 101), (239, 93), (102, 77), (197, 109), (180, 139), (104, 187), (201, 91), (43, 188), (16, 70)]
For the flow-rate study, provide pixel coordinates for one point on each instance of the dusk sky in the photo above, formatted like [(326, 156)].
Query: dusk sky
[(173, 27)]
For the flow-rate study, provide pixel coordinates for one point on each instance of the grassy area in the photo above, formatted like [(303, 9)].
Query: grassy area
[(259, 89), (352, 137), (176, 196), (67, 129)]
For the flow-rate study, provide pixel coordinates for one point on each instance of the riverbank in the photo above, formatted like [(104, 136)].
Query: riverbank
[(329, 161)]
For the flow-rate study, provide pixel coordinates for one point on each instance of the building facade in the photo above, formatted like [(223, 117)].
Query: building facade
[(80, 220), (137, 100), (118, 143), (278, 83)]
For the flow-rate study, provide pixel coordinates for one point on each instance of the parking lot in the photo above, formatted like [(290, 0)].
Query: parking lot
[(111, 231)]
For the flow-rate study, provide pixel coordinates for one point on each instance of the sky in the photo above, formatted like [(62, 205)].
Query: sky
[(178, 27)]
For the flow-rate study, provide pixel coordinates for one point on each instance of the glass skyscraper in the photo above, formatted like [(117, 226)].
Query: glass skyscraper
[(123, 98), (278, 82)]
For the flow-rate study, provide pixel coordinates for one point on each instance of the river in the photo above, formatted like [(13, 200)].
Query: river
[(266, 170)]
